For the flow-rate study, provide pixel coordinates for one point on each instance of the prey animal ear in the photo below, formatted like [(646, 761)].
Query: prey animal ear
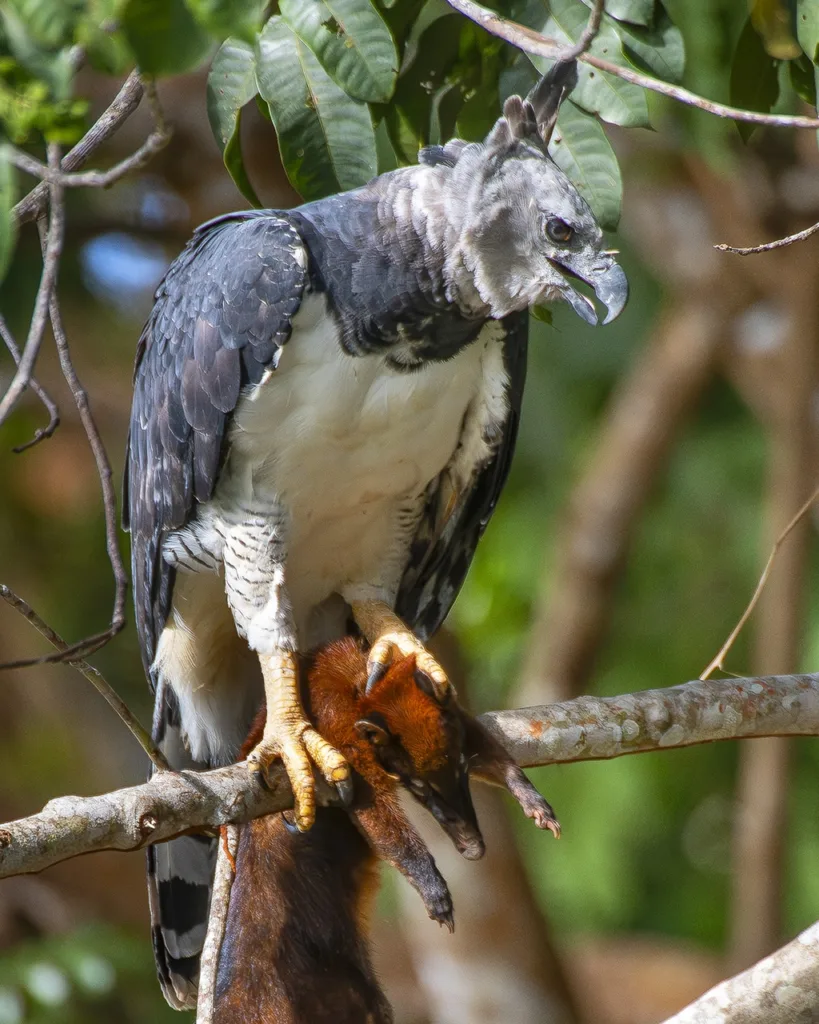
[(546, 97), (374, 729)]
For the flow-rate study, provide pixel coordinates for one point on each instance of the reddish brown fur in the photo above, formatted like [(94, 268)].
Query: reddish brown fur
[(295, 948)]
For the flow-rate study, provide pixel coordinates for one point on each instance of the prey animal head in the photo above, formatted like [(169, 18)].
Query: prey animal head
[(421, 744)]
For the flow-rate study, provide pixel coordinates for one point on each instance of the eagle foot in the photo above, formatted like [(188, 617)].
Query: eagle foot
[(289, 736), (390, 638)]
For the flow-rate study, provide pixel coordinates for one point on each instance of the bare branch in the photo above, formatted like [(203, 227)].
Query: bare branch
[(50, 405), (779, 243), (780, 989), (530, 41), (125, 103), (718, 660), (157, 140), (93, 643), (48, 281), (586, 729), (588, 34), (93, 675)]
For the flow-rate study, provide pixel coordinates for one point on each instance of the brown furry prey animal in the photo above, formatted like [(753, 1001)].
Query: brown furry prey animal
[(295, 948), (326, 402)]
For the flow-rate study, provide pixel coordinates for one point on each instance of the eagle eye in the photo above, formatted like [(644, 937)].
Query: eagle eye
[(558, 230)]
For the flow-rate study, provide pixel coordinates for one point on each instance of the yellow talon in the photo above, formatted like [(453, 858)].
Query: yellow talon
[(387, 634), (288, 735)]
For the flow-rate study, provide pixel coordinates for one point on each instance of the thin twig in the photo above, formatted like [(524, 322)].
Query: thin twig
[(779, 243), (717, 661), (586, 729), (93, 643), (530, 41), (93, 675), (156, 141), (588, 34), (125, 103), (48, 281), (41, 433)]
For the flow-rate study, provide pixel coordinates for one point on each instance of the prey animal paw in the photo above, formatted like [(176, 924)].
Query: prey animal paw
[(439, 907)]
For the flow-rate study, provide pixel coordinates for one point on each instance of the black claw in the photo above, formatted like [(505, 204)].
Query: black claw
[(290, 824), (346, 791), (377, 673), (426, 684)]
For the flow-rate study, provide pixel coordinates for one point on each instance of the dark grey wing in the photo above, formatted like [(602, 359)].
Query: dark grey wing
[(222, 314), (443, 548)]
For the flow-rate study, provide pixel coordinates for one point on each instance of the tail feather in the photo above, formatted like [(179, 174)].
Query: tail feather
[(180, 876)]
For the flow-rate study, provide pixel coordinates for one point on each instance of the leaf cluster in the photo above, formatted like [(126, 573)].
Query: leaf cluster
[(353, 87), (778, 41)]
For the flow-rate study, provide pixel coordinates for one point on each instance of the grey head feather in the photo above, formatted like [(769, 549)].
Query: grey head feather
[(545, 98), (517, 232)]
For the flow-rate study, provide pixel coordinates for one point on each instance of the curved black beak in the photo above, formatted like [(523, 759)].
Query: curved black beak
[(606, 278)]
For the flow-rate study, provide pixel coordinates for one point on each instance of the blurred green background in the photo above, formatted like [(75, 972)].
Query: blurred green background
[(647, 848)]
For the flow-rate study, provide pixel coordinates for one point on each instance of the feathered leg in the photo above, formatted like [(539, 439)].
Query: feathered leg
[(255, 558), (389, 636)]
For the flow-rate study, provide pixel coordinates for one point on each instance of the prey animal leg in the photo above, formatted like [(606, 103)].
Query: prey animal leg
[(394, 840), (289, 735), (489, 762), (389, 637)]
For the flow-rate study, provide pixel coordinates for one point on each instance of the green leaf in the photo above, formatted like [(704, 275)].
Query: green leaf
[(613, 99), (223, 18), (803, 81), (409, 116), (55, 69), (231, 85), (541, 313), (432, 11), (8, 197), (351, 40), (48, 22), (326, 138), (807, 27), (164, 37), (754, 77), (658, 49), (580, 148), (97, 33), (640, 12)]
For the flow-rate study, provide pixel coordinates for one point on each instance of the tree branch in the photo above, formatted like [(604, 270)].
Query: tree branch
[(157, 140), (780, 989), (41, 433), (93, 675), (530, 41), (48, 281), (779, 243), (586, 729), (125, 103)]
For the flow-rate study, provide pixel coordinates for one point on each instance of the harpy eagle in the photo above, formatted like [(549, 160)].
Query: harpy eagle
[(325, 407)]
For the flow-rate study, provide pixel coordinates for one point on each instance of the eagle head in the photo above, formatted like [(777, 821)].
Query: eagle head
[(520, 232)]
